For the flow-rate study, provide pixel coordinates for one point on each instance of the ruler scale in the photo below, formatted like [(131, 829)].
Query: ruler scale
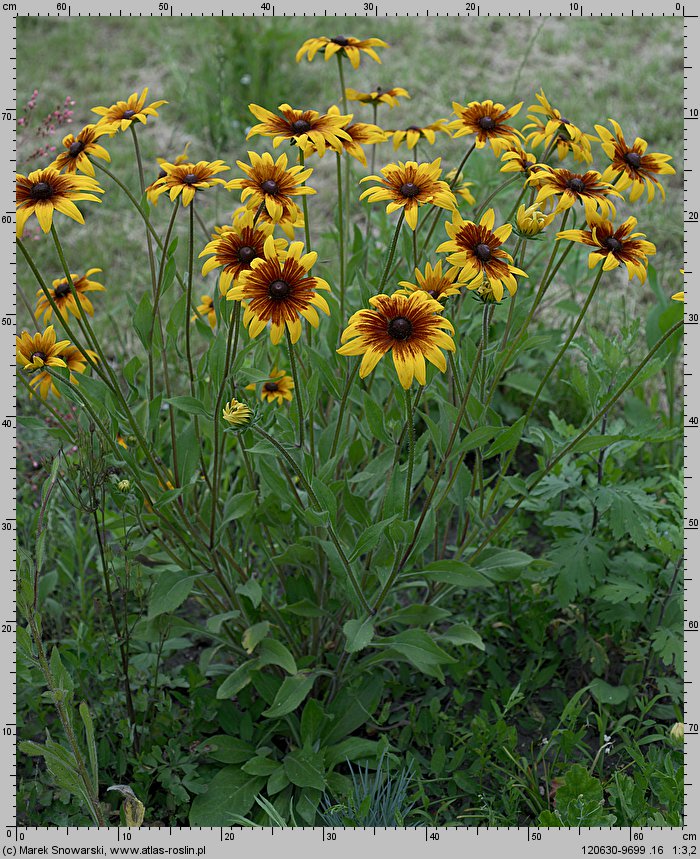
[(320, 841)]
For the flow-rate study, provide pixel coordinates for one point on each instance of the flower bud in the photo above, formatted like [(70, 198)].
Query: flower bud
[(123, 486), (531, 221), (676, 732), (237, 414)]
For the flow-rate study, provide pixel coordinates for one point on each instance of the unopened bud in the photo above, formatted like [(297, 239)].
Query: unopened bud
[(531, 221)]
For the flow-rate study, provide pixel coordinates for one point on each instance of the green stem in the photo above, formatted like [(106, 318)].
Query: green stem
[(369, 208), (297, 387), (392, 251), (190, 269), (139, 161), (317, 504), (411, 455), (352, 370), (341, 234)]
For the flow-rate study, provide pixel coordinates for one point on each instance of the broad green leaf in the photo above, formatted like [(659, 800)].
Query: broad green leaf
[(231, 792), (169, 592), (236, 681), (507, 439), (463, 633), (304, 768), (456, 573), (254, 635), (190, 405), (290, 694), (260, 765), (352, 749), (369, 538), (604, 693), (359, 634), (503, 565), (273, 652), (420, 650), (228, 750)]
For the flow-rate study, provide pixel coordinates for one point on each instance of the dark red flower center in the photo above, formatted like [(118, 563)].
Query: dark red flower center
[(76, 148), (40, 355), (128, 114), (246, 254), (190, 178), (565, 121), (613, 244), (300, 126), (483, 252), (576, 185), (340, 40), (62, 290), (162, 174), (414, 128), (279, 289), (41, 191), (634, 159), (433, 293), (399, 328), (269, 186), (378, 89), (410, 189), (487, 123), (270, 387)]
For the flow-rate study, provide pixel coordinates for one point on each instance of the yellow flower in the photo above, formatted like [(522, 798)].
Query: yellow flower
[(272, 183), (293, 219), (476, 250), (234, 248), (378, 95), (414, 133), (303, 127), (460, 187), (531, 221), (206, 310), (45, 190), (359, 132), (278, 387), (279, 291), (347, 45), (614, 246), (237, 414), (179, 159), (410, 326), (436, 284), (517, 160), (120, 115), (76, 363), (410, 185), (63, 296), (551, 125), (587, 188), (79, 148), (36, 351), (637, 166), (121, 441), (486, 119), (187, 179)]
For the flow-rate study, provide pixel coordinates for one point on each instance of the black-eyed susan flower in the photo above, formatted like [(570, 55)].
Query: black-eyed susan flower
[(280, 291), (36, 351), (638, 168), (410, 326), (43, 191), (530, 221), (488, 120), (432, 281), (63, 296), (587, 188), (233, 248), (74, 359), (517, 160), (206, 310), (360, 133), (348, 46), (410, 185), (293, 219), (378, 95), (277, 388), (548, 121), (301, 126), (414, 133), (614, 246), (272, 183), (237, 414), (120, 115), (79, 149), (188, 178), (562, 143), (182, 158), (476, 250)]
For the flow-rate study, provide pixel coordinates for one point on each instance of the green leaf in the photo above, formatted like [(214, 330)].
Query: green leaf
[(273, 652), (352, 749), (190, 405), (62, 678), (359, 634), (352, 708), (254, 635), (369, 538), (252, 590), (463, 633), (143, 320), (89, 739), (304, 768), (230, 793), (503, 565), (456, 573), (290, 694), (261, 765), (507, 439), (236, 681), (169, 593), (228, 750), (604, 693), (420, 650)]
